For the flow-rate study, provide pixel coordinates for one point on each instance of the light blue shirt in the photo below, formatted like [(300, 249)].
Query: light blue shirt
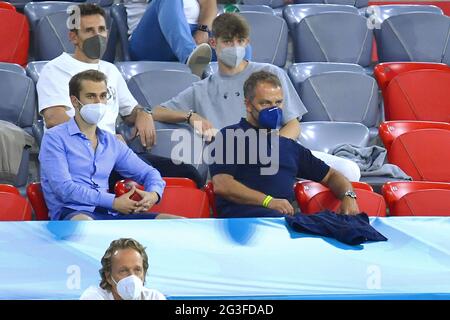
[(76, 177)]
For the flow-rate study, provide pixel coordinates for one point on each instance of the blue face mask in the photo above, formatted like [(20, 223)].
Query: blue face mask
[(270, 118)]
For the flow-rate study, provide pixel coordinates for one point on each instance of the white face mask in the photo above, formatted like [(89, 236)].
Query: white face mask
[(129, 288), (92, 113), (232, 56)]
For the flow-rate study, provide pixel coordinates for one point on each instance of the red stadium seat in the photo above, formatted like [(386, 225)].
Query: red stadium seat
[(209, 189), (36, 197), (183, 201), (179, 182), (417, 198), (7, 6), (389, 130), (418, 95), (14, 207), (14, 37), (313, 197), (9, 189), (423, 154), (385, 72)]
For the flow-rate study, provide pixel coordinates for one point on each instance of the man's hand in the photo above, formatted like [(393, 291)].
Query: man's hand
[(349, 206), (120, 137), (144, 127), (281, 205), (147, 201), (124, 204), (203, 127), (201, 37)]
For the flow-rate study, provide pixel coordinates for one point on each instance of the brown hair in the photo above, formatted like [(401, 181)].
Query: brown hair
[(89, 9), (257, 77), (230, 26), (92, 75), (122, 243)]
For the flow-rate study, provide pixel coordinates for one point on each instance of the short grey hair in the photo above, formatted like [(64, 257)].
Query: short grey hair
[(257, 77)]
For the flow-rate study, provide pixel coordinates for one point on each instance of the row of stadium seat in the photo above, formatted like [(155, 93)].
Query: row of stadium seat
[(402, 198), (345, 96), (320, 32)]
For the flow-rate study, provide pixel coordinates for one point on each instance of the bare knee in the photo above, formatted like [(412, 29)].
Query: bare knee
[(168, 216), (81, 217)]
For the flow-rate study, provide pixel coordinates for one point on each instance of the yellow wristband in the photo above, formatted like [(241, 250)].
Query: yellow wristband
[(266, 201)]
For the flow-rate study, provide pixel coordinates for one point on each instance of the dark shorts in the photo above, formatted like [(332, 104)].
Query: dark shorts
[(102, 214)]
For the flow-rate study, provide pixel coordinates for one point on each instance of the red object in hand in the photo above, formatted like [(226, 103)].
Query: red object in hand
[(123, 186)]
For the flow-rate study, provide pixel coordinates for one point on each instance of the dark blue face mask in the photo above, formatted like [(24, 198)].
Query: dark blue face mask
[(270, 118)]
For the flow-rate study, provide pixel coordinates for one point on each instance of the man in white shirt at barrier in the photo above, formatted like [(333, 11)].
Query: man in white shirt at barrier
[(123, 272)]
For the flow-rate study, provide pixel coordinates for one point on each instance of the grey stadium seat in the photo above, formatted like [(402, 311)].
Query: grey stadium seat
[(415, 37), (377, 14), (333, 37), (154, 87), (269, 37), (18, 106), (325, 135), (13, 67), (247, 8), (128, 69), (342, 96), (299, 72), (151, 88), (354, 3), (389, 10), (294, 13), (34, 69)]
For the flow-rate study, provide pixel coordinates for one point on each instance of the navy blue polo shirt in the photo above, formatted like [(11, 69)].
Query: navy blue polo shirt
[(238, 159)]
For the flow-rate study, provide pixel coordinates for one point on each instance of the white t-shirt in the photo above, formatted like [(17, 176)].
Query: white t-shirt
[(97, 293), (191, 11), (53, 88)]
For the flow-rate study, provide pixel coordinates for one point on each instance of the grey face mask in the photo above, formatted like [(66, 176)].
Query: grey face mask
[(232, 56), (94, 47)]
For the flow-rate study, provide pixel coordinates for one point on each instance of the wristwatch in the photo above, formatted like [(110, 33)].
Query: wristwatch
[(202, 27), (189, 115), (147, 110), (350, 193)]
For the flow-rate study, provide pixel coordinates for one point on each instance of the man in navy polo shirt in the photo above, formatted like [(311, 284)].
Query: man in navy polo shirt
[(254, 168)]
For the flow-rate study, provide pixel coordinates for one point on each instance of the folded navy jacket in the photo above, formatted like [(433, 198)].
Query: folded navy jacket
[(349, 229)]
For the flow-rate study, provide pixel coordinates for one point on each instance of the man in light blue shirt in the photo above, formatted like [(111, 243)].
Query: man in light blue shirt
[(77, 158)]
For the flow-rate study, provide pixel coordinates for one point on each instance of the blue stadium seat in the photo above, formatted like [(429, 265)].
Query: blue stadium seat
[(294, 13), (389, 10), (151, 88), (247, 8), (325, 135), (269, 36), (18, 106), (119, 30), (128, 69), (415, 37), (12, 67), (154, 87), (377, 14), (299, 72), (333, 37), (354, 3), (34, 69), (342, 96)]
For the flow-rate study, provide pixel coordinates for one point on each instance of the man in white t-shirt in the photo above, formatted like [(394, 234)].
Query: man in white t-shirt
[(123, 272), (172, 30), (216, 102), (55, 106)]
